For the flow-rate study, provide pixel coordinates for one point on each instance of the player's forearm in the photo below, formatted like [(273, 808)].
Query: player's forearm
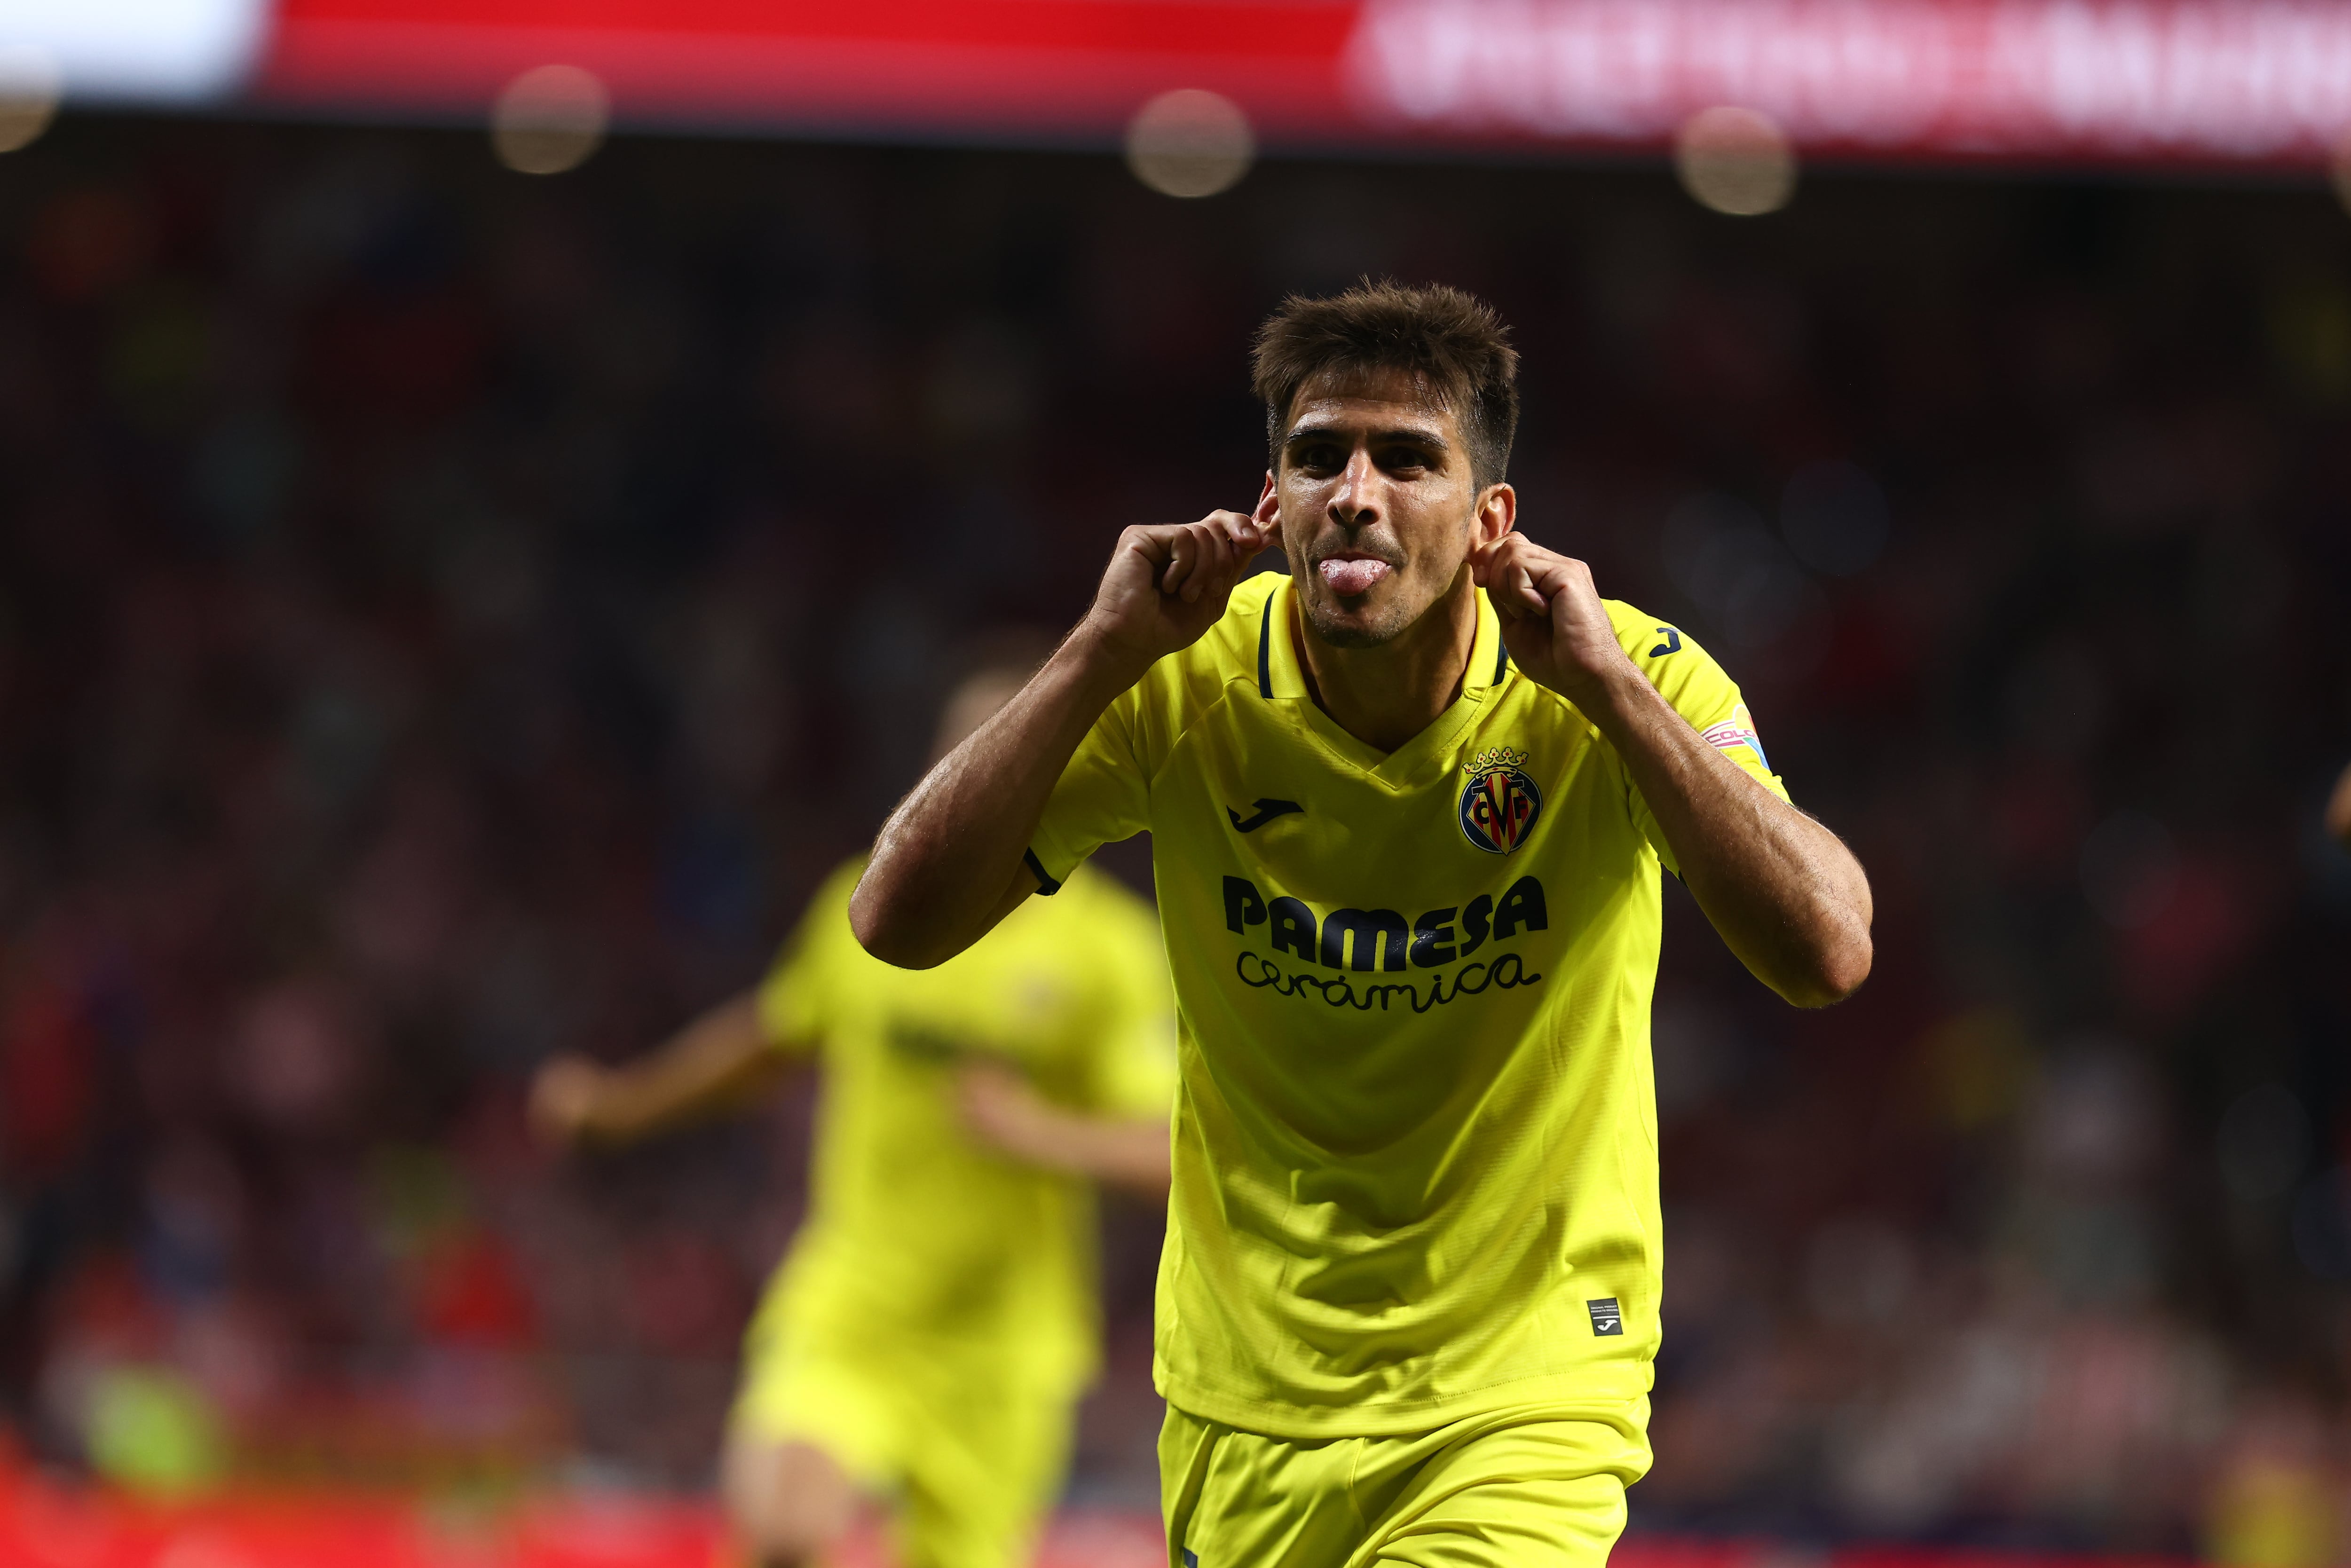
[(1786, 895), (1131, 1155), (713, 1065), (1127, 1153), (948, 864)]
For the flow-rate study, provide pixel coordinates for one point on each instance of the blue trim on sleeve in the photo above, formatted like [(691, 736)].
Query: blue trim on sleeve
[(1045, 884)]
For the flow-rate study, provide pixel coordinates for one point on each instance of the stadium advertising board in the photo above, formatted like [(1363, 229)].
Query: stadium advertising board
[(2199, 80)]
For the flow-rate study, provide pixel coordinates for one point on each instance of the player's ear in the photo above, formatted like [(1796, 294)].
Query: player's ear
[(1497, 514), (1267, 514)]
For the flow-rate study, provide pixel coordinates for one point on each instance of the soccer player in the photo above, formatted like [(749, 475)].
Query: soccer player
[(926, 1339), (1409, 804)]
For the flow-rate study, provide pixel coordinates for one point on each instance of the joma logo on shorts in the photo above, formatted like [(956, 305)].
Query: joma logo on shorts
[(1379, 939)]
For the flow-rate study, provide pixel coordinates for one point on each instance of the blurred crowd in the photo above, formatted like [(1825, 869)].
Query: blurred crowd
[(446, 617)]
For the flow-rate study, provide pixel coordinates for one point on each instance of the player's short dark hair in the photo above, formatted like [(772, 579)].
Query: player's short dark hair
[(1448, 339)]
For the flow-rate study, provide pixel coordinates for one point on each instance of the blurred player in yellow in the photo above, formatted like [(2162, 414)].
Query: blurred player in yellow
[(1409, 806), (926, 1340)]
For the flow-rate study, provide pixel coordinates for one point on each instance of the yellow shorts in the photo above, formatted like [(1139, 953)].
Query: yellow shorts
[(969, 1458), (1533, 1485)]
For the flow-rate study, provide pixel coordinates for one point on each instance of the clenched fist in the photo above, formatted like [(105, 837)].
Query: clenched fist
[(1166, 586), (1557, 629)]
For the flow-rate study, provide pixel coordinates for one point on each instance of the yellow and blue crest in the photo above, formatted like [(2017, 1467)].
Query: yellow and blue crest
[(1500, 801)]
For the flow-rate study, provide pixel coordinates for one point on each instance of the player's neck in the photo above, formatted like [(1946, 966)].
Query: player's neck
[(1386, 694)]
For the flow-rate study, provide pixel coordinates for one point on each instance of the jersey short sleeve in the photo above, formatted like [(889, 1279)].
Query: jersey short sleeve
[(1103, 795), (793, 1000), (1702, 692)]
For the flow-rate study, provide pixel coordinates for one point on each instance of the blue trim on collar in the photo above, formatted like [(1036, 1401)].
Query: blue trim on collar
[(1264, 647)]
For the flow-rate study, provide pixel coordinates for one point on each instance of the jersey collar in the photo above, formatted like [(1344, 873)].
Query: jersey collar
[(1490, 659), (1422, 758), (1280, 676), (1278, 679)]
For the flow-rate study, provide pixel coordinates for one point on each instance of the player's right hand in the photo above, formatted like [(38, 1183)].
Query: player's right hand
[(1168, 585), (564, 1098)]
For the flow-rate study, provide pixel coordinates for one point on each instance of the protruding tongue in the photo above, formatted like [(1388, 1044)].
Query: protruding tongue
[(1349, 578)]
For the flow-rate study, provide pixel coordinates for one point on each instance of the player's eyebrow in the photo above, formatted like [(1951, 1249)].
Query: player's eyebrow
[(1418, 435)]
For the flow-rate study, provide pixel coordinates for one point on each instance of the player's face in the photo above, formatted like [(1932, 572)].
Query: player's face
[(1376, 503)]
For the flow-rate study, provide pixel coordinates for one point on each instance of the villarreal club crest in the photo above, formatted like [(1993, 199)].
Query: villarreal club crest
[(1500, 802)]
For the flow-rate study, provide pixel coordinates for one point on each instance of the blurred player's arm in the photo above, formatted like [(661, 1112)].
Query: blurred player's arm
[(2338, 810), (1004, 1111), (948, 864), (719, 1063), (1786, 895)]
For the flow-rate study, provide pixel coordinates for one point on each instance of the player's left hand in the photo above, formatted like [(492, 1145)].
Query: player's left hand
[(1557, 629), (1003, 1110)]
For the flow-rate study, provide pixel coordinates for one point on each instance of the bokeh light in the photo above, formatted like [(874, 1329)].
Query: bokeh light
[(1735, 161), (1190, 143), (549, 119), (29, 89)]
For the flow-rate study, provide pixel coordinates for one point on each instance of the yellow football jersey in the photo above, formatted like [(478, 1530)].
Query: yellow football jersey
[(915, 1227), (1416, 1140)]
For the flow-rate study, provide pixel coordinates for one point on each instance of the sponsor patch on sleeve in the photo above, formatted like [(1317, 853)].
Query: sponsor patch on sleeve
[(1734, 732)]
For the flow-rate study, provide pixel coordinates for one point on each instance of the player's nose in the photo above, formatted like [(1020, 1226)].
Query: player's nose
[(1355, 501)]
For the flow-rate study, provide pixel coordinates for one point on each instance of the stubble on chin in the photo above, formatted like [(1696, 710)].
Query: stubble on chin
[(1384, 624)]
